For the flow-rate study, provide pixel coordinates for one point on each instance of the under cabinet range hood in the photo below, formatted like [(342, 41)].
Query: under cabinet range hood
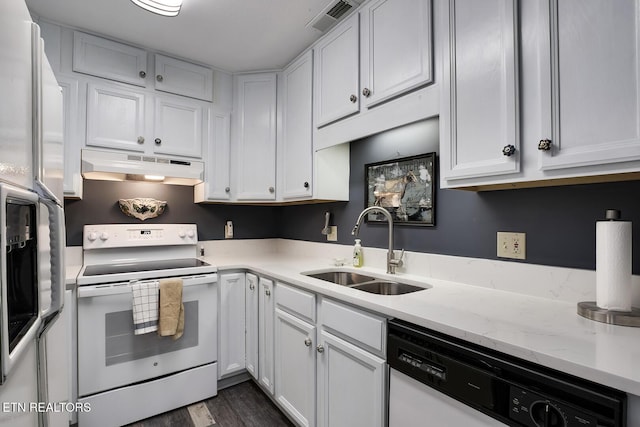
[(113, 166)]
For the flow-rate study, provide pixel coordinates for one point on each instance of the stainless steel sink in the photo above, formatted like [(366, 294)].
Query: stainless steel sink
[(387, 288), (344, 278), (366, 283)]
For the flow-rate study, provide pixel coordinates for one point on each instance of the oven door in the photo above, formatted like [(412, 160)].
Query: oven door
[(111, 356)]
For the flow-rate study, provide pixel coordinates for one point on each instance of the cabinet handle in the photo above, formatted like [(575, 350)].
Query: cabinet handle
[(252, 286), (159, 78), (306, 184), (267, 292), (307, 342), (320, 348), (141, 140), (353, 98), (366, 92), (544, 145), (271, 190), (509, 150), (158, 141), (227, 189), (142, 74)]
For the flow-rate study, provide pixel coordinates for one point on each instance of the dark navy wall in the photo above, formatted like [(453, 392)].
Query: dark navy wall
[(559, 221), (100, 206)]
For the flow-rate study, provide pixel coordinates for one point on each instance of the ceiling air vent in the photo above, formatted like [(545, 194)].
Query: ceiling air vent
[(332, 13)]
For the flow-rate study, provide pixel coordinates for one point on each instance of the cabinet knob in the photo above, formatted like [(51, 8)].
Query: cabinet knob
[(544, 145), (141, 140), (271, 190), (252, 286), (159, 78), (307, 342), (267, 292), (142, 74), (227, 189), (158, 141), (306, 184), (509, 150), (353, 98), (320, 348), (366, 92)]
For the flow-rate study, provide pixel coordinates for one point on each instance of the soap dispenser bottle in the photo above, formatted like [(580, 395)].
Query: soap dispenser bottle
[(357, 254)]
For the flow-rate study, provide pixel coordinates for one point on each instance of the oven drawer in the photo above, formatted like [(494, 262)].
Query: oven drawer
[(110, 355)]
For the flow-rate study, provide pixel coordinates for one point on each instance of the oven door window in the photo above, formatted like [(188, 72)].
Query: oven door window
[(22, 270), (111, 356)]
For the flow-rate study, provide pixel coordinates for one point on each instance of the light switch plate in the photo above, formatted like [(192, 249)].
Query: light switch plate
[(511, 245), (332, 236)]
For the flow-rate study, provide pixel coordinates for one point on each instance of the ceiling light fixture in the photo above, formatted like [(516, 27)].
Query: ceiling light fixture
[(161, 7)]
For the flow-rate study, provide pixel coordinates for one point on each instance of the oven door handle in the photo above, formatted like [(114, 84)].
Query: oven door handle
[(125, 287)]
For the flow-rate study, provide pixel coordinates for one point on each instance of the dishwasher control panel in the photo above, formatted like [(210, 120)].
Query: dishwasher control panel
[(532, 409)]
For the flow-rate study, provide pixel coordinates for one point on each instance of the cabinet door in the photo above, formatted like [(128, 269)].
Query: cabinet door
[(231, 332), (295, 373), (351, 385), (183, 78), (217, 181), (336, 73), (72, 138), (178, 126), (589, 62), (115, 117), (297, 128), (251, 321), (111, 60), (255, 162), (265, 334), (395, 48), (480, 102)]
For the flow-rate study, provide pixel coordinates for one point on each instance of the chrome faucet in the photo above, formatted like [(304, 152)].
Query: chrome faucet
[(392, 262)]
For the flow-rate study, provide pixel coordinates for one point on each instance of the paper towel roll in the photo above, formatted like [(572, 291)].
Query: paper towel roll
[(613, 265)]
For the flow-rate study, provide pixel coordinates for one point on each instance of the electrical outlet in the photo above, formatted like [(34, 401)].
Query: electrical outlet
[(511, 245), (332, 236), (228, 230)]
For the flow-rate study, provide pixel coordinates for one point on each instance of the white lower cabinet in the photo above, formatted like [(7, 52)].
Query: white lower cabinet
[(251, 324), (231, 324), (265, 334), (325, 374)]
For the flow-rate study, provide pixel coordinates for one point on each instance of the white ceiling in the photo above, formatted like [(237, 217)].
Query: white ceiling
[(234, 35)]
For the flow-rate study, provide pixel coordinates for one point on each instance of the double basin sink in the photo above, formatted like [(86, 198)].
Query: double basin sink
[(366, 283)]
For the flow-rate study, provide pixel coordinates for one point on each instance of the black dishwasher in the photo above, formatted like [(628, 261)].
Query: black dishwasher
[(513, 391)]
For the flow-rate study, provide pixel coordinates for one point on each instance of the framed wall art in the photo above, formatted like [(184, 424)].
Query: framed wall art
[(404, 187)]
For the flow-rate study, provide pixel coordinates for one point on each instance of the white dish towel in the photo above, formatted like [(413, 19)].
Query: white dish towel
[(145, 306)]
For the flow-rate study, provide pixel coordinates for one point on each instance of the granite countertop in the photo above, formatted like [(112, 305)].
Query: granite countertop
[(539, 330)]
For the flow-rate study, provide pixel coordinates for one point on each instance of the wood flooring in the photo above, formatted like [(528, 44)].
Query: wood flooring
[(243, 405)]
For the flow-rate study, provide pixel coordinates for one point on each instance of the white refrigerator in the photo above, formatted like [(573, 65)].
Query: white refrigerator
[(33, 347)]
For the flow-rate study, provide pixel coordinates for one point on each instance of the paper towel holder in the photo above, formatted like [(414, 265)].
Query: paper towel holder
[(591, 311)]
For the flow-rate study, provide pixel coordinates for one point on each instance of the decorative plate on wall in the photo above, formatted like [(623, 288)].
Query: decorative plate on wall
[(142, 207)]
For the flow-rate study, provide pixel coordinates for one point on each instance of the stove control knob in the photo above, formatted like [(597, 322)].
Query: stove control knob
[(181, 234), (190, 233), (104, 236), (92, 236), (545, 414)]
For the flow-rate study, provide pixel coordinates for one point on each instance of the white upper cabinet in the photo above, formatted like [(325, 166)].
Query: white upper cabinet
[(590, 89), (395, 48), (72, 138), (254, 158), (337, 73), (183, 78), (296, 141), (127, 119), (178, 126), (115, 117), (479, 120), (217, 184), (108, 59)]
